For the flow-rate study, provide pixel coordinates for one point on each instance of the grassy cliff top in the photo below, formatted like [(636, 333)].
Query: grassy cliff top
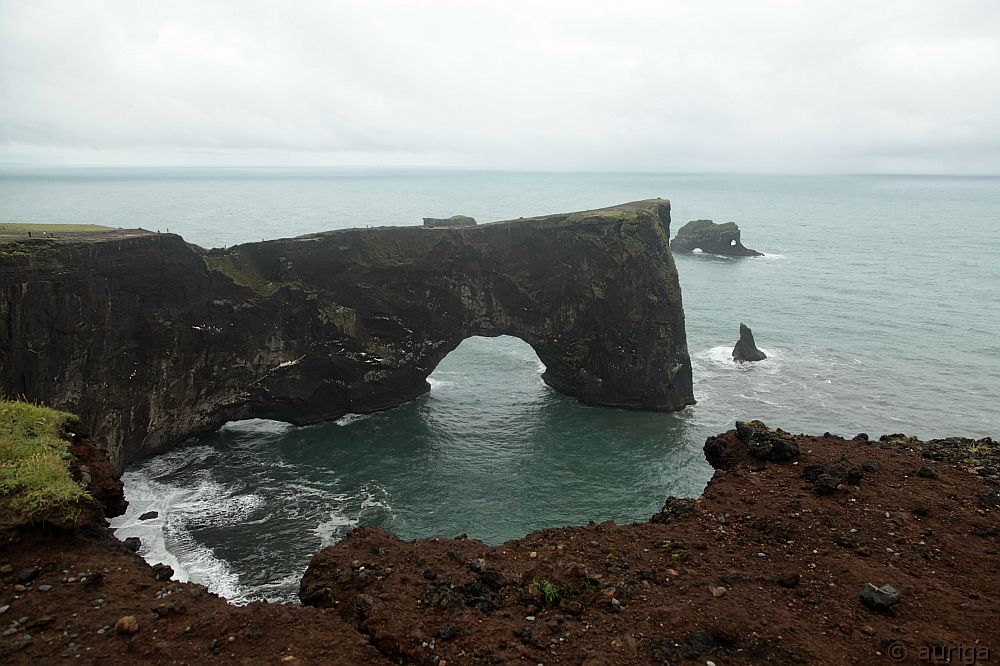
[(35, 461), (701, 226), (11, 231)]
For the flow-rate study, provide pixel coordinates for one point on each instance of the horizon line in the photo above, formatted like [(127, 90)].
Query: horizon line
[(456, 168)]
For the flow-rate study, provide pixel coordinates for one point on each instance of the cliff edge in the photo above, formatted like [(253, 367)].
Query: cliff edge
[(767, 566), (150, 339)]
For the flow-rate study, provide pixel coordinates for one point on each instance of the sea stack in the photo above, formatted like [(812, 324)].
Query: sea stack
[(745, 350), (711, 238)]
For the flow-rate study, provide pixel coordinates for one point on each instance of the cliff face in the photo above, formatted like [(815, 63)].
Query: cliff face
[(150, 340)]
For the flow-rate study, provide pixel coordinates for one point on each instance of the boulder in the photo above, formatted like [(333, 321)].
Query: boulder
[(745, 350)]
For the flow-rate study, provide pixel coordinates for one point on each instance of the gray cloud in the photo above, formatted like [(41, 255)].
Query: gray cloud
[(724, 85)]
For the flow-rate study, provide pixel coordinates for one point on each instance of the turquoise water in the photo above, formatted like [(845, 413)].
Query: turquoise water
[(878, 303)]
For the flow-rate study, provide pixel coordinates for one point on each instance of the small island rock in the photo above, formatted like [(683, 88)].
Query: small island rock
[(745, 350), (711, 238)]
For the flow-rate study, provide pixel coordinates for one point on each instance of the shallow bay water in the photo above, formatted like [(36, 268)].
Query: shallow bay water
[(878, 304)]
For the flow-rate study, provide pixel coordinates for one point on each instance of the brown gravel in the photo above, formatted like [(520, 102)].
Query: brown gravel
[(760, 569)]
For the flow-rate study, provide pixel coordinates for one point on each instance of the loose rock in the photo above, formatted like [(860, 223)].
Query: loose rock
[(127, 625), (25, 576), (163, 571), (879, 597), (826, 484)]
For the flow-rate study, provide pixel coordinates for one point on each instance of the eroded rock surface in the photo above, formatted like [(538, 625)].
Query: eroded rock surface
[(150, 340), (711, 238)]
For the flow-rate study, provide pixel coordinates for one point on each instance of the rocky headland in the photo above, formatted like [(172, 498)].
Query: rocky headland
[(149, 339), (775, 563), (802, 549)]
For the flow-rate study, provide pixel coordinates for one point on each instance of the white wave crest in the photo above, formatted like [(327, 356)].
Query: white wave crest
[(348, 419), (166, 539), (258, 427), (331, 530), (438, 383), (723, 356)]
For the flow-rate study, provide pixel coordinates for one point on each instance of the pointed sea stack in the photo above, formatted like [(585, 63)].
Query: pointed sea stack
[(745, 350)]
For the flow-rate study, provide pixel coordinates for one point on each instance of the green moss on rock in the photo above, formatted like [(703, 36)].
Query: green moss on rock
[(344, 318)]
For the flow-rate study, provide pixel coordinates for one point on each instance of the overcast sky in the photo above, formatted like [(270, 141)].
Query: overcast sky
[(866, 86)]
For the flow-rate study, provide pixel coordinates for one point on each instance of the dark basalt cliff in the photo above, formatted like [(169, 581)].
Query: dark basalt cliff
[(150, 340)]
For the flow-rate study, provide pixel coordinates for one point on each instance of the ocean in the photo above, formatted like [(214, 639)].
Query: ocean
[(877, 303)]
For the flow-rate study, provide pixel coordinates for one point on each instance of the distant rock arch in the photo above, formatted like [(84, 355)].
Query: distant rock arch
[(711, 238)]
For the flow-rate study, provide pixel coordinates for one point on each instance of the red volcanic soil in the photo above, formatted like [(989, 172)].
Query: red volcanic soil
[(765, 567)]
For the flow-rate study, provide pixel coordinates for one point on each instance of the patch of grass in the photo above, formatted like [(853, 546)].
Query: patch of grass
[(35, 460), (553, 592), (978, 453), (20, 230), (27, 249), (244, 272)]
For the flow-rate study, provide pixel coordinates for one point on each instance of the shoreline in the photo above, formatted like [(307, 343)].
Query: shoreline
[(688, 585)]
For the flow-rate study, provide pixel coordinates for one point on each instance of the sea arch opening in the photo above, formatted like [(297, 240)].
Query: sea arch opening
[(503, 372)]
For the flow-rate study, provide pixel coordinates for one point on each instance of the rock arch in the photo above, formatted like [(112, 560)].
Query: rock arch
[(151, 340)]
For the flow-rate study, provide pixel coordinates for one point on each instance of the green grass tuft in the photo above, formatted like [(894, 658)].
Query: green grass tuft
[(35, 461), (553, 592)]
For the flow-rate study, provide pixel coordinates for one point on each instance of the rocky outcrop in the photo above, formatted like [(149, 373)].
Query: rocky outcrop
[(150, 340), (453, 221), (741, 575), (735, 576), (711, 238), (745, 349)]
